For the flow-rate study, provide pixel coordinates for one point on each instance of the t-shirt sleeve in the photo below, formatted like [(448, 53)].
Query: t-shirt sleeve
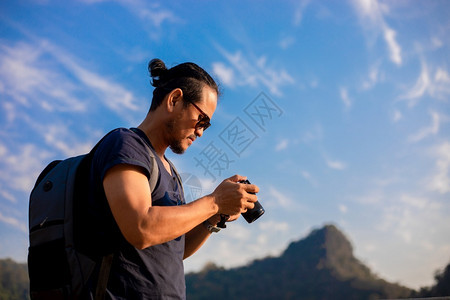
[(123, 147)]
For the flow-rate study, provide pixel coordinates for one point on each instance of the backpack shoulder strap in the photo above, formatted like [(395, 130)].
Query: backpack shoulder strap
[(154, 173)]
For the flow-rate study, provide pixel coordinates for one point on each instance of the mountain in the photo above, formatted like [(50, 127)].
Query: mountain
[(321, 266), (13, 280), (440, 288)]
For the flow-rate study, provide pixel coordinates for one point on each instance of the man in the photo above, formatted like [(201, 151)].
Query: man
[(150, 232)]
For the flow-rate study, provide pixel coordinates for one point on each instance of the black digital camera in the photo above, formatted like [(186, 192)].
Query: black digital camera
[(253, 214), (250, 215)]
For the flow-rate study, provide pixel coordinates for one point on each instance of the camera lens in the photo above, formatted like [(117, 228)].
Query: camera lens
[(253, 214)]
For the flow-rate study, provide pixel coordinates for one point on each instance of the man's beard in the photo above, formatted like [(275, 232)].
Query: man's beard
[(174, 143)]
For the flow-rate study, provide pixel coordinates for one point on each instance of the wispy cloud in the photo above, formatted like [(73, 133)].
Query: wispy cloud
[(334, 163), (374, 76), (67, 146), (273, 226), (415, 219), (286, 42), (113, 95), (13, 222), (345, 97), (394, 47), (224, 73), (437, 86), (283, 144), (42, 76), (308, 177), (18, 165), (280, 198), (313, 135), (343, 208), (412, 220), (147, 11), (371, 14), (7, 196), (440, 182), (155, 14), (396, 115), (436, 42), (28, 78), (300, 11), (373, 197), (39, 83), (420, 88), (432, 129), (410, 217), (247, 71)]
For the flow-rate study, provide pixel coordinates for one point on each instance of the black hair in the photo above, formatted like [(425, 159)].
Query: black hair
[(189, 77)]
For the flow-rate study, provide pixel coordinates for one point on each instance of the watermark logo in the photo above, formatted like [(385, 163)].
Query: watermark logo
[(240, 133), (213, 160), (238, 136), (262, 110), (192, 187)]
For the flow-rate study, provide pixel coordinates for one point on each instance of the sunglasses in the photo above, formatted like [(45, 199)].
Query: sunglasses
[(203, 120)]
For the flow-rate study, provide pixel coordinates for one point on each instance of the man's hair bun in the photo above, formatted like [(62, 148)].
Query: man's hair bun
[(157, 70), (188, 77)]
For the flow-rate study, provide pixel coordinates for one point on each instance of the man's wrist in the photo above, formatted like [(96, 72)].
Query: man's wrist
[(211, 228), (214, 219)]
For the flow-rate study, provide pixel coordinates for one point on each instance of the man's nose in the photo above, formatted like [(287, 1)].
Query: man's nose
[(199, 131)]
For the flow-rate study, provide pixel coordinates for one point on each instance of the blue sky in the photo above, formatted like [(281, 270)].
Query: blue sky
[(339, 111)]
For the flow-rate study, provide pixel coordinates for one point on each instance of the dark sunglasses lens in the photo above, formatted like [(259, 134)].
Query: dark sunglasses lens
[(203, 123)]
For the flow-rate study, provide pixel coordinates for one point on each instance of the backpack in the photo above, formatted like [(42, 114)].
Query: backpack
[(56, 267)]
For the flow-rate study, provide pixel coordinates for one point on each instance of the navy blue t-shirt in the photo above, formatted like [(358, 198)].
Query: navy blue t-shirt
[(156, 272)]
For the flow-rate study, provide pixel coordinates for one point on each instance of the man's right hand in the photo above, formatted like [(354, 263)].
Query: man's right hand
[(233, 198)]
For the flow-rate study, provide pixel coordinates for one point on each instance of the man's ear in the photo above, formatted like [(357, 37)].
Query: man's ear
[(173, 98)]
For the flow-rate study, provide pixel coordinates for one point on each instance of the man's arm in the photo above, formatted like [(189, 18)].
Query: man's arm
[(198, 236), (144, 225)]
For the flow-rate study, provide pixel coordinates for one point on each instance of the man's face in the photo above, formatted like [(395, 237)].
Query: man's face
[(183, 129)]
